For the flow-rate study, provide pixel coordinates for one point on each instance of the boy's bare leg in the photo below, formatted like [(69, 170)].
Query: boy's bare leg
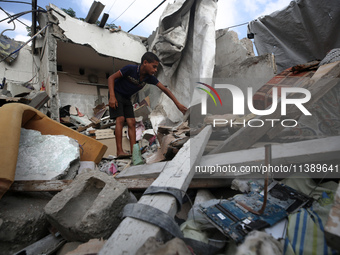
[(132, 131), (119, 135)]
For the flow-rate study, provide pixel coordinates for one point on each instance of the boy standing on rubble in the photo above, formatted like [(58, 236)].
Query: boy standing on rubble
[(122, 85)]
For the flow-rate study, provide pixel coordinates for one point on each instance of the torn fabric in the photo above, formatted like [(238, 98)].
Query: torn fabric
[(9, 49), (304, 31), (197, 56)]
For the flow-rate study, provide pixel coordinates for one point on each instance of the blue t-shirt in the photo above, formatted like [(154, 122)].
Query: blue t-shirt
[(129, 84)]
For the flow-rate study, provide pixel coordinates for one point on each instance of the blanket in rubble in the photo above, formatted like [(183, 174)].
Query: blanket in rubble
[(305, 232)]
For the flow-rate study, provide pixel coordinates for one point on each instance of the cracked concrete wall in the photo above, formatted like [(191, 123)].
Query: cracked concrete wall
[(48, 68), (117, 44), (15, 78), (237, 64)]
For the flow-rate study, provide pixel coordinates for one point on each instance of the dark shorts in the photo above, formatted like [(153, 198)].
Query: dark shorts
[(124, 108)]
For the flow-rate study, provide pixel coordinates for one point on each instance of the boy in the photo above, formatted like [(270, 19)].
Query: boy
[(122, 85)]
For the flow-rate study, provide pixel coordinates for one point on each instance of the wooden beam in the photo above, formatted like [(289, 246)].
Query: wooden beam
[(131, 234), (143, 171), (317, 150), (133, 184), (39, 185), (325, 78)]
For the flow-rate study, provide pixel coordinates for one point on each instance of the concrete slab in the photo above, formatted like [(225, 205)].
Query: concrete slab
[(88, 208), (22, 220)]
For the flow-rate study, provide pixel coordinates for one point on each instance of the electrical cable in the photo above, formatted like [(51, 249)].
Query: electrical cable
[(18, 2), (147, 16), (238, 25), (124, 11), (41, 30), (8, 29), (17, 15), (18, 20), (112, 6)]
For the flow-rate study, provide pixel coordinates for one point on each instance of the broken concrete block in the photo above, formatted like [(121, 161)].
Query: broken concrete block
[(22, 220), (88, 208), (45, 157)]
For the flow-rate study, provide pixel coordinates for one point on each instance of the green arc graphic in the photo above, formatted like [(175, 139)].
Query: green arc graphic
[(209, 94)]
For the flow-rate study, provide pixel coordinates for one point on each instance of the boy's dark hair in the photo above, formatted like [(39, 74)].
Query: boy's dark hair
[(149, 57)]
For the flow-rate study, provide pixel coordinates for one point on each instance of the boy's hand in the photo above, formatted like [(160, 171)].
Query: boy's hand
[(113, 103), (182, 108)]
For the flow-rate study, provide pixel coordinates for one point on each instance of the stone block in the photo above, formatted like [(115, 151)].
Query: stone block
[(22, 220), (88, 208)]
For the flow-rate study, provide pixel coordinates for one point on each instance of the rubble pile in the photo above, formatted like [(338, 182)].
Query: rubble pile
[(257, 174)]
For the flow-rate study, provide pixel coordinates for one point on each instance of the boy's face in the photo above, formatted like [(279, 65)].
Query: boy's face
[(151, 67)]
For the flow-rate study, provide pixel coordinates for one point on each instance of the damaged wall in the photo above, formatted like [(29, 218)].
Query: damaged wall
[(118, 44), (48, 71), (25, 62), (86, 56), (237, 64)]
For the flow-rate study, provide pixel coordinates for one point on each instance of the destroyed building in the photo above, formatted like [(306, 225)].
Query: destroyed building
[(260, 164)]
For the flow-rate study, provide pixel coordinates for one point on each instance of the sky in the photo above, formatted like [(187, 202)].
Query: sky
[(127, 13)]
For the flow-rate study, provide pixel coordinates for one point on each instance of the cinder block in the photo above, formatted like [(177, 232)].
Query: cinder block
[(88, 208)]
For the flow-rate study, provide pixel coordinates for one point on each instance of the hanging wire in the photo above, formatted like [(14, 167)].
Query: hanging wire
[(238, 25), (15, 16), (112, 5), (19, 2), (146, 16), (40, 31), (8, 29), (124, 11)]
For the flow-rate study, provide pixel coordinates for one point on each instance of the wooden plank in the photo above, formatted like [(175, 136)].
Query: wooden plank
[(39, 185), (324, 149), (317, 150), (132, 184), (325, 78), (131, 234), (143, 171), (143, 184)]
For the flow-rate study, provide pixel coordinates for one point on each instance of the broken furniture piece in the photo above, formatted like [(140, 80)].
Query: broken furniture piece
[(14, 116)]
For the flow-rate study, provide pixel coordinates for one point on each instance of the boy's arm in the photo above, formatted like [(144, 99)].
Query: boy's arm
[(111, 83), (180, 107)]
